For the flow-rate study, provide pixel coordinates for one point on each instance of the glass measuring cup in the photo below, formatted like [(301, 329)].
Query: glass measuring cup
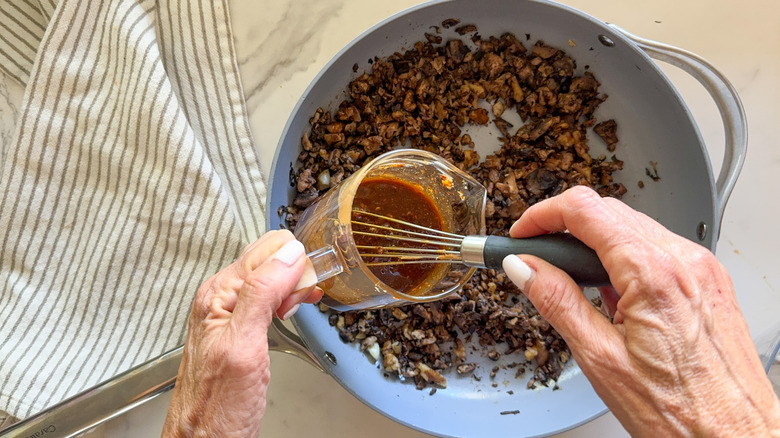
[(325, 230)]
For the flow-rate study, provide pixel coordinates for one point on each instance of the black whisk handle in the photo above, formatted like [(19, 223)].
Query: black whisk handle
[(560, 249)]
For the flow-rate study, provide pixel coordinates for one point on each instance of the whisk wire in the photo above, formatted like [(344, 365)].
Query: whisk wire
[(406, 238), (428, 231), (406, 249), (410, 262), (446, 245)]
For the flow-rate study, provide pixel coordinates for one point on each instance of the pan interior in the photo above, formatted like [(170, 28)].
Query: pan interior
[(653, 126)]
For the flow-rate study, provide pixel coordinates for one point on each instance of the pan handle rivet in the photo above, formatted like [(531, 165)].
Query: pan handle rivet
[(331, 357), (701, 231), (607, 41)]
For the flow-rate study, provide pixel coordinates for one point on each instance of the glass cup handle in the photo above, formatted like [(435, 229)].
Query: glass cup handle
[(327, 262)]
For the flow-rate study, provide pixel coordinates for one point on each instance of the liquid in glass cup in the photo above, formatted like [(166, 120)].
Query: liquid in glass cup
[(325, 229)]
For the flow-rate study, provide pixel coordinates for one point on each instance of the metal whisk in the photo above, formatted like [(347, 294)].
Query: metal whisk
[(427, 245)]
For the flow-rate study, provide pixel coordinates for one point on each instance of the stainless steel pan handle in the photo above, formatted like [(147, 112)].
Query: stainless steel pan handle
[(726, 98), (130, 389), (284, 340), (104, 401)]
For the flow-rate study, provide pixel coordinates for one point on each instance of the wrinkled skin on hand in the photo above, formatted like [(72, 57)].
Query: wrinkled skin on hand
[(223, 378), (677, 360)]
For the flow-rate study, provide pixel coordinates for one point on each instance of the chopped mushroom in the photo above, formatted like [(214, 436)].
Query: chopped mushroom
[(466, 368), (448, 23), (431, 375), (607, 130)]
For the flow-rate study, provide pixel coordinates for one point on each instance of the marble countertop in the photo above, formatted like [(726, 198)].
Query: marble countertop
[(282, 45)]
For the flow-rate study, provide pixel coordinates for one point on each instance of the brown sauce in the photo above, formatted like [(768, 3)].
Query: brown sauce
[(400, 200)]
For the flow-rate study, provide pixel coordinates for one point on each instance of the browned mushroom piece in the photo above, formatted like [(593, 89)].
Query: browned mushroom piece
[(448, 23), (607, 130)]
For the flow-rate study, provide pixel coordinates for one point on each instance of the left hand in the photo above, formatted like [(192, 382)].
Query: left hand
[(223, 378)]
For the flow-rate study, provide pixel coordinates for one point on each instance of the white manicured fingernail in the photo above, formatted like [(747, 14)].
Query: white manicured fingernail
[(308, 278), (289, 253), (518, 271), (290, 312)]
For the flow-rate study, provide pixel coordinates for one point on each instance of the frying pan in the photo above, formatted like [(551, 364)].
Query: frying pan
[(654, 125)]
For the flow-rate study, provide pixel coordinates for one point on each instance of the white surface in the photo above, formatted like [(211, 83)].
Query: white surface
[(281, 46)]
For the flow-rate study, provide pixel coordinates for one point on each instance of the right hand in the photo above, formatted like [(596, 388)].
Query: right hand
[(678, 359)]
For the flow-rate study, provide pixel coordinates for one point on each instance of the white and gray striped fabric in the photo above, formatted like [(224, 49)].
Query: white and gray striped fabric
[(132, 176), (22, 25)]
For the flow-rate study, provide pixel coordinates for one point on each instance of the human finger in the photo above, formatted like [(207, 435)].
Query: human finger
[(581, 211), (260, 250), (560, 301), (219, 294), (315, 296), (216, 296), (305, 292), (640, 222), (627, 242), (293, 302), (268, 285), (261, 240)]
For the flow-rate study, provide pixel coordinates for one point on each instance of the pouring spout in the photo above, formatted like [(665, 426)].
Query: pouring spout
[(327, 262)]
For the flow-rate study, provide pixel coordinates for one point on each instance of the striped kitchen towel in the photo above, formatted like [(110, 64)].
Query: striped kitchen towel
[(131, 177)]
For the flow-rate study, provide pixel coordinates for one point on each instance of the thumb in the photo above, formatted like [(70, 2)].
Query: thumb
[(267, 286), (559, 300)]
